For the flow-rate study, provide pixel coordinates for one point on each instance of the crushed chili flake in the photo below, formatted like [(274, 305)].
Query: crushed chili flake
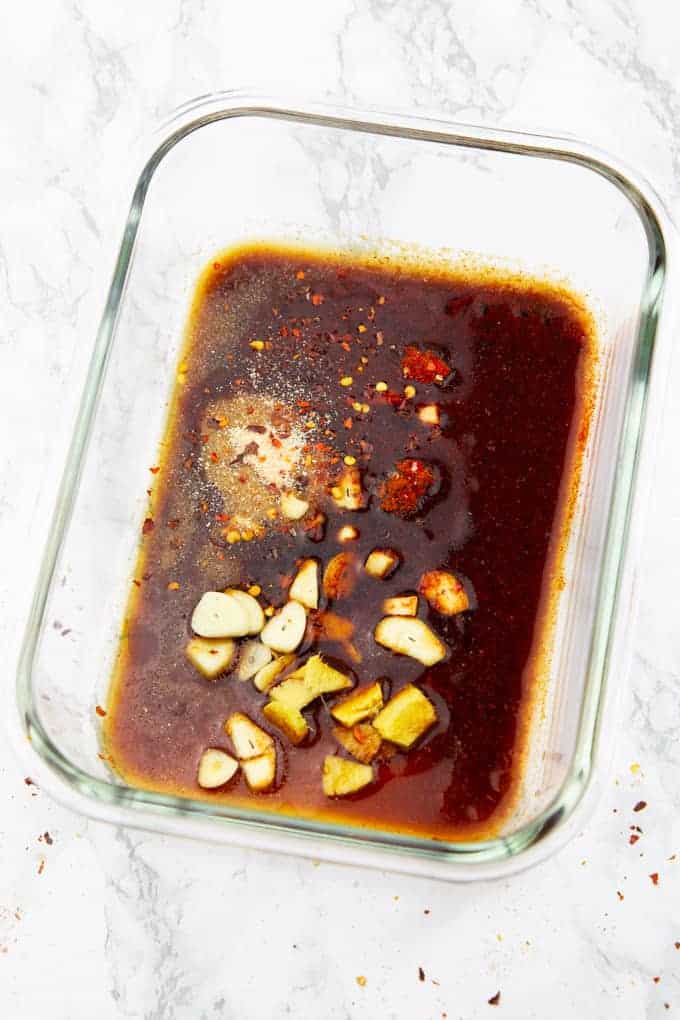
[(633, 839), (29, 781), (677, 945), (655, 877), (619, 894), (425, 366), (421, 974), (495, 999), (48, 839), (408, 487), (100, 711), (317, 299), (656, 979), (41, 866), (137, 584), (640, 806), (147, 526), (154, 470)]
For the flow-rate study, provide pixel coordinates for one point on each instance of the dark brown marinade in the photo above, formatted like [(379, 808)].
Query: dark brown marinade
[(517, 355)]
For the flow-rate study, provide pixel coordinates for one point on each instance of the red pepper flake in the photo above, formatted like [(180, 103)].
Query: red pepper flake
[(100, 711), (677, 945), (48, 839), (296, 332), (31, 782), (317, 299), (426, 911), (633, 839), (408, 487), (348, 423), (147, 526), (222, 518), (154, 470), (656, 979), (495, 999), (421, 974), (214, 457), (620, 895), (41, 866), (655, 877), (425, 367), (137, 584), (300, 275), (640, 806), (276, 443)]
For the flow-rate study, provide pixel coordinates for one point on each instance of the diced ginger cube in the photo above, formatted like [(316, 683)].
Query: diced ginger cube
[(360, 704), (410, 636), (248, 739), (400, 605), (260, 772), (381, 563), (405, 717), (215, 768), (347, 492), (315, 677), (305, 587), (266, 676), (444, 592), (341, 777), (361, 741), (289, 720), (210, 656)]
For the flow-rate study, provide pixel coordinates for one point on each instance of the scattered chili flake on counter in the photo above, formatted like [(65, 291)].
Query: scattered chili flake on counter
[(495, 999), (421, 974), (640, 806), (655, 877), (100, 711), (620, 895)]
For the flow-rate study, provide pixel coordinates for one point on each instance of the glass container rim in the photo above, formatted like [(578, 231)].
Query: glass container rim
[(115, 801)]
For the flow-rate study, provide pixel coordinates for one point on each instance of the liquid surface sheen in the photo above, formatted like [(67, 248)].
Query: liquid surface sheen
[(296, 367)]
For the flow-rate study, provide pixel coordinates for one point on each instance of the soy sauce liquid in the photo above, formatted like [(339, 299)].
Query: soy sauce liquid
[(514, 416)]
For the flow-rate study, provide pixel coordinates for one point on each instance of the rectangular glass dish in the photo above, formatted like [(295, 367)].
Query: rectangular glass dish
[(233, 169)]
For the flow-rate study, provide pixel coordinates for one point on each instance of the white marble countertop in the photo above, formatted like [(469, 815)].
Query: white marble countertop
[(96, 921)]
